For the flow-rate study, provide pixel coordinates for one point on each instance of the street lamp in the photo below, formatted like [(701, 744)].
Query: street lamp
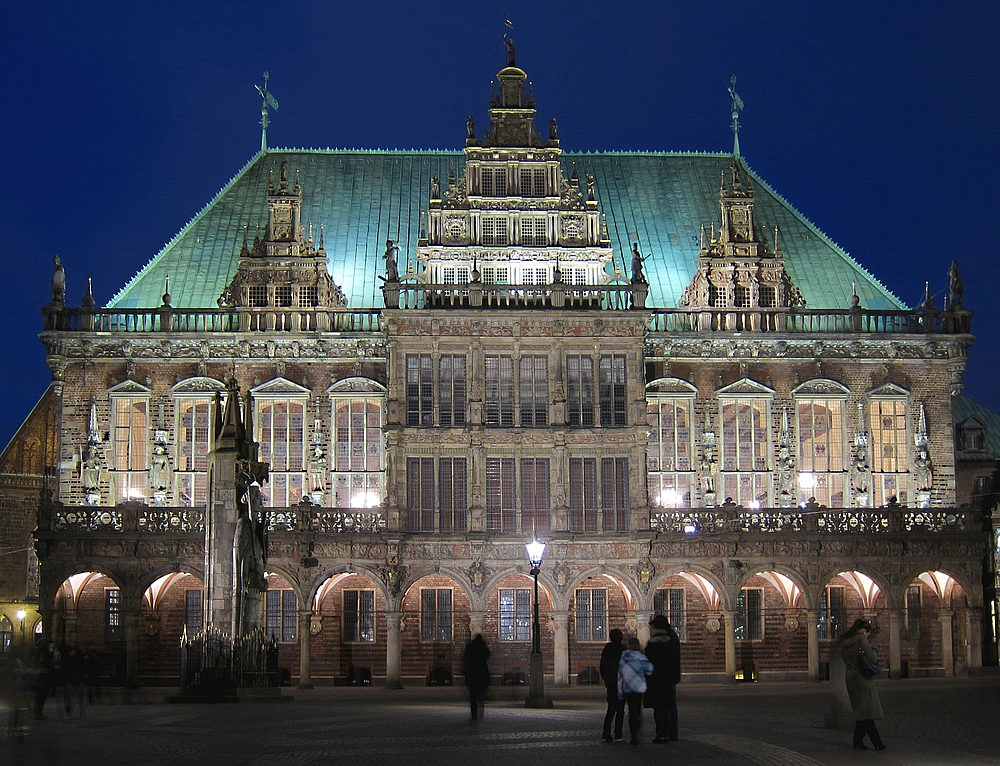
[(536, 674), (21, 614)]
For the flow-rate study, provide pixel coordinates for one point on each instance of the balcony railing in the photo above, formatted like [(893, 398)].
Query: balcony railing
[(135, 517)]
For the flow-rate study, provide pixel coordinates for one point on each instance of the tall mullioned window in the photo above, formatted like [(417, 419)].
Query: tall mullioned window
[(749, 617), (452, 387), (193, 433), (114, 628), (420, 494), (515, 614), (611, 391), (282, 438), (501, 495), (670, 603), (358, 466), (580, 390), (534, 389), (832, 612), (822, 453), (591, 614), (495, 230), (535, 496), (359, 616), (419, 390), (498, 399), (130, 447), (887, 425), (435, 614), (670, 467), (493, 181), (453, 489), (532, 182), (745, 474), (281, 614)]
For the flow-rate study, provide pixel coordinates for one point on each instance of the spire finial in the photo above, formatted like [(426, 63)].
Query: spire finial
[(267, 101), (737, 108)]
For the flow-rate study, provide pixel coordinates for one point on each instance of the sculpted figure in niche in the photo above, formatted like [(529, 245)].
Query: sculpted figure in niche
[(709, 467), (922, 475), (159, 469)]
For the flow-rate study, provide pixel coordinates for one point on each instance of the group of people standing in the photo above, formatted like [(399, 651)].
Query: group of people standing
[(637, 679)]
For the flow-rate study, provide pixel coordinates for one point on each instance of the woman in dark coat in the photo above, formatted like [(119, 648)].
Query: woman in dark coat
[(664, 651), (475, 665), (861, 689)]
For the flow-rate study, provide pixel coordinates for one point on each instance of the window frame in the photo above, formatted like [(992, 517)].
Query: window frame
[(670, 456), (514, 615), (131, 446), (349, 471), (742, 618), (438, 624), (666, 605), (355, 621), (287, 455), (595, 618)]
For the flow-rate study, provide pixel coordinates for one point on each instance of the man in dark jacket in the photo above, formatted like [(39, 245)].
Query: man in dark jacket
[(610, 657), (664, 651)]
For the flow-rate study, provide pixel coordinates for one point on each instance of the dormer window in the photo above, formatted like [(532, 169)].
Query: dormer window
[(308, 296), (283, 295), (494, 230), (257, 296), (494, 182), (973, 438), (532, 182)]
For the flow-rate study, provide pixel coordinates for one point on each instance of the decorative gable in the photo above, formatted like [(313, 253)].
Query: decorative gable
[(888, 391), (130, 388), (745, 387), (357, 386), (671, 386), (821, 387), (279, 387), (199, 385)]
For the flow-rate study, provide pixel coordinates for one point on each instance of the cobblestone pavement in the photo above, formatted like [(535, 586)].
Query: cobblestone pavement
[(928, 722)]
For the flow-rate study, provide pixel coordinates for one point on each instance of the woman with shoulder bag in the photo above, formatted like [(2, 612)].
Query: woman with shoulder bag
[(860, 658)]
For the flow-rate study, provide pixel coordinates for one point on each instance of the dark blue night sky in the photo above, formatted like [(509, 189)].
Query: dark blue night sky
[(121, 120)]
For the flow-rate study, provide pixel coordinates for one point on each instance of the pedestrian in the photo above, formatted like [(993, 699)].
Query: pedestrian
[(664, 650), (610, 657), (476, 668), (72, 674), (632, 671), (860, 688), (41, 666)]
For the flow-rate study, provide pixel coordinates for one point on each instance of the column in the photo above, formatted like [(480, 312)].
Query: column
[(729, 625), (476, 625), (560, 641), (305, 649), (895, 652), (974, 629), (947, 643), (132, 649), (642, 626), (812, 643), (393, 653)]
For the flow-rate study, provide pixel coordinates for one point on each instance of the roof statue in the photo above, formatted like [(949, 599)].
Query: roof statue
[(58, 283), (511, 56)]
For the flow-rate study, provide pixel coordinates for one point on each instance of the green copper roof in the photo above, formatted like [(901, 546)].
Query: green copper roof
[(965, 408), (362, 198)]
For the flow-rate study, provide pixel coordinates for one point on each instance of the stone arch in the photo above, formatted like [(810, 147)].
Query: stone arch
[(434, 627), (348, 628), (870, 598)]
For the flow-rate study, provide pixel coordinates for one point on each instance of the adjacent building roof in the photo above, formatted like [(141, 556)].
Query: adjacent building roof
[(362, 198), (965, 410)]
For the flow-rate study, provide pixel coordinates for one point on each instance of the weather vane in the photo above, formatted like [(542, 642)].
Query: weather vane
[(737, 108), (267, 100)]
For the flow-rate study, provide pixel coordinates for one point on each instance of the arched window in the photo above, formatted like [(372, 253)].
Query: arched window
[(669, 452), (821, 441), (745, 471), (358, 467), (6, 634)]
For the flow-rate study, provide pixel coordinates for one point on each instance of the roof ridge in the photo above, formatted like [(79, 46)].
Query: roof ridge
[(819, 232), (184, 229)]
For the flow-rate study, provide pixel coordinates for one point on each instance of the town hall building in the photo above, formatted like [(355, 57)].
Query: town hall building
[(651, 362)]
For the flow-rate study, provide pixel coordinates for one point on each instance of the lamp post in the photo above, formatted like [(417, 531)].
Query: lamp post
[(21, 614), (536, 672)]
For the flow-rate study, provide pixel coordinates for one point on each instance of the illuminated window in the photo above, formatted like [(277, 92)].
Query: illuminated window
[(746, 446), (281, 614), (193, 434), (419, 390), (308, 296), (282, 438), (591, 614), (130, 446), (358, 466), (821, 450), (515, 614), (495, 275), (359, 616), (749, 618), (670, 467), (257, 296), (670, 603), (889, 450), (435, 614)]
